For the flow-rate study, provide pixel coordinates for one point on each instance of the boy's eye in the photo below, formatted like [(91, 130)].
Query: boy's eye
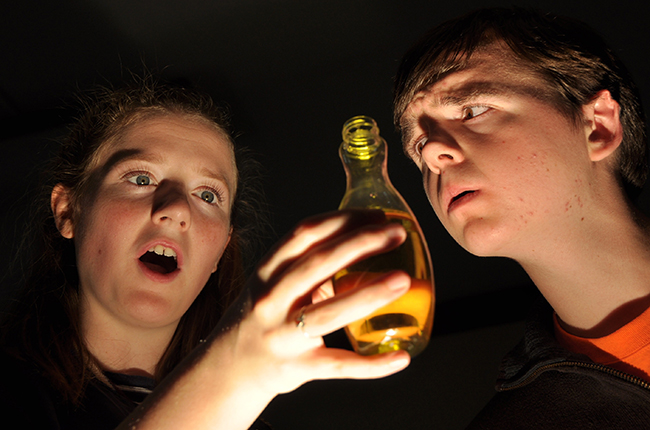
[(140, 179), (474, 111), (419, 145)]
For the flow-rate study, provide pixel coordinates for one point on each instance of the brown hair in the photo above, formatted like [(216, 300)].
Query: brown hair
[(44, 327), (570, 57)]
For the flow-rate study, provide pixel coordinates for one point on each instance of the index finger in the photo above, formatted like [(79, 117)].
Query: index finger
[(313, 231), (314, 267)]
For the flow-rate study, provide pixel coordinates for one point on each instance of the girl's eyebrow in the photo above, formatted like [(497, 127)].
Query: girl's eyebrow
[(99, 171), (125, 155), (207, 173)]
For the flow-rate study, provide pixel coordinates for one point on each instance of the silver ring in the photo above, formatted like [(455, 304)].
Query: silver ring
[(300, 321)]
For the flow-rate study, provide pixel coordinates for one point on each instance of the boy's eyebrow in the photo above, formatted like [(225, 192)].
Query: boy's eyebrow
[(471, 90), (464, 94)]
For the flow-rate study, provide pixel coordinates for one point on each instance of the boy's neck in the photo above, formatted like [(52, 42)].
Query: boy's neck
[(600, 278)]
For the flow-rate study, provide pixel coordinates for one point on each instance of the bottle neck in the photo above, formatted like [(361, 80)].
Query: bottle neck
[(364, 161), (368, 184), (362, 166)]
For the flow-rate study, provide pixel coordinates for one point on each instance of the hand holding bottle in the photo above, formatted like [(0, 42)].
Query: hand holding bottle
[(284, 328), (270, 340)]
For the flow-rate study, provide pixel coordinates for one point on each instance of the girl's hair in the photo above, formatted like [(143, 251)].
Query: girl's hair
[(44, 326), (570, 57)]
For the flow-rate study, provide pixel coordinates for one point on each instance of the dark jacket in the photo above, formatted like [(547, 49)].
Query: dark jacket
[(28, 401), (544, 386)]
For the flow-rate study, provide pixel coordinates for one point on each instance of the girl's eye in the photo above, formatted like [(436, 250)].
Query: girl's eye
[(140, 179), (474, 111), (208, 196)]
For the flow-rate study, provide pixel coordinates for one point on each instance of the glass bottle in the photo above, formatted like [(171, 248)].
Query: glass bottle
[(405, 323)]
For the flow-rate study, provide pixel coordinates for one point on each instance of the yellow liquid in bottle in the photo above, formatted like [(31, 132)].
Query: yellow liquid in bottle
[(405, 323)]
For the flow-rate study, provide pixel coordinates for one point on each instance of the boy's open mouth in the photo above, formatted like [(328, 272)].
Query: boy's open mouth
[(464, 193), (461, 195), (160, 259)]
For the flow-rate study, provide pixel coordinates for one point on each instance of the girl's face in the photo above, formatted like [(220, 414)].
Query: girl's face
[(154, 221)]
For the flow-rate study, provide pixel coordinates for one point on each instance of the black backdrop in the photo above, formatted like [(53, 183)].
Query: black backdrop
[(292, 72)]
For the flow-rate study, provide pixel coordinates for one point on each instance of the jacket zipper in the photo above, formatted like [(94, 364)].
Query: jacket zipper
[(594, 366)]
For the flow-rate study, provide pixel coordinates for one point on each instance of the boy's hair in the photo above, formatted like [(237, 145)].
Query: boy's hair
[(44, 327), (570, 57)]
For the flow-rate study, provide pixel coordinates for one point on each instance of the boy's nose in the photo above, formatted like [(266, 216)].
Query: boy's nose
[(439, 154)]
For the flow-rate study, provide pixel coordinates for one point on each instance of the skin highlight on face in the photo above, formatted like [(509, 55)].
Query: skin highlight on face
[(495, 154), (155, 221)]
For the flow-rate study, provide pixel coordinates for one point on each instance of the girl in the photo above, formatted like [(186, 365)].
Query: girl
[(123, 320)]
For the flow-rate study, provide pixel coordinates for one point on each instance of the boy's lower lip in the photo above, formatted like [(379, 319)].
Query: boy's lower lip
[(462, 199), (157, 276)]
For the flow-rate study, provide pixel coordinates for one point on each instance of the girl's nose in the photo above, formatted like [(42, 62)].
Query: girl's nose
[(171, 207)]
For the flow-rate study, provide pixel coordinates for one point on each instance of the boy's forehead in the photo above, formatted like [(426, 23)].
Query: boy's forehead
[(490, 71)]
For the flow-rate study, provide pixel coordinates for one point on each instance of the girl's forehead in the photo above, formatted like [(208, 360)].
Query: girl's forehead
[(153, 129)]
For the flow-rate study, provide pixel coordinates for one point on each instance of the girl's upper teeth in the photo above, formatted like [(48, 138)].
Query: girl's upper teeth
[(162, 250)]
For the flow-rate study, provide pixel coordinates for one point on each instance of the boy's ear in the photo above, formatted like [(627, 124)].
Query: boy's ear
[(62, 210), (605, 131)]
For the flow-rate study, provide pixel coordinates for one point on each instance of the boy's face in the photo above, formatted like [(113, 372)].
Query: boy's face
[(501, 166)]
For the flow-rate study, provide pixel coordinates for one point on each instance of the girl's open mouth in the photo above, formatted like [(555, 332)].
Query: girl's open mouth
[(160, 259)]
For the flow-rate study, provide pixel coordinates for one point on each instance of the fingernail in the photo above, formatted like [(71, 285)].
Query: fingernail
[(399, 362), (398, 281), (396, 231)]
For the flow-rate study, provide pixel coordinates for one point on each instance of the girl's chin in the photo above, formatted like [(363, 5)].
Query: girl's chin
[(147, 310)]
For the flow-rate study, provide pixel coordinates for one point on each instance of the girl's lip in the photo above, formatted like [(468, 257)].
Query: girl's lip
[(167, 244)]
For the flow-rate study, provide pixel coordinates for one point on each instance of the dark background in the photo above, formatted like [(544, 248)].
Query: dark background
[(292, 72)]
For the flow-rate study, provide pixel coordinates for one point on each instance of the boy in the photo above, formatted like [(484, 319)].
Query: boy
[(530, 137)]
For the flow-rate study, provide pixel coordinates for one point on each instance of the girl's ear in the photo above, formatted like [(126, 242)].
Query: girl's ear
[(605, 132), (62, 210)]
